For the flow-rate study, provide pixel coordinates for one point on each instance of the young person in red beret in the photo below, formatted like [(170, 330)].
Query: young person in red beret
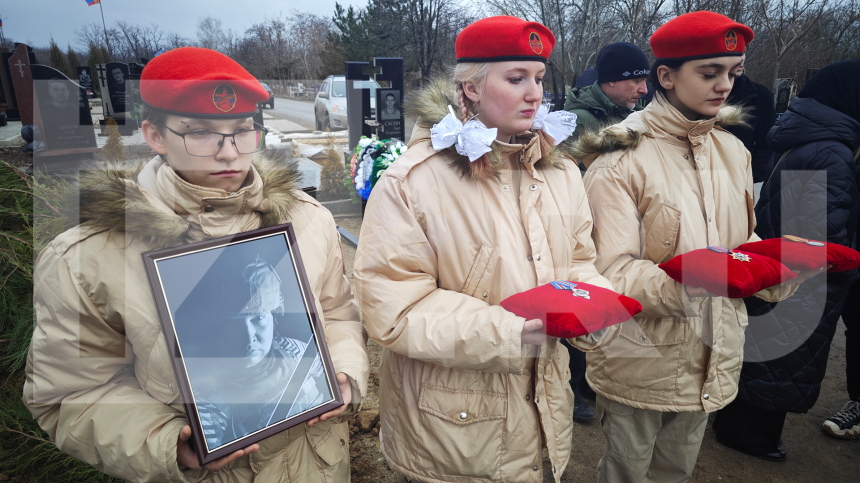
[(486, 203), (665, 181), (99, 375)]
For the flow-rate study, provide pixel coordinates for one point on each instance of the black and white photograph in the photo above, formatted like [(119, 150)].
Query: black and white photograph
[(390, 109), (244, 329)]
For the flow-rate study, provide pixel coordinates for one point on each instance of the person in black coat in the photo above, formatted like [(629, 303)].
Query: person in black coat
[(759, 98), (814, 193)]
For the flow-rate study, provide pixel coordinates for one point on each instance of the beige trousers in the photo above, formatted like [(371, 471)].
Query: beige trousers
[(648, 446)]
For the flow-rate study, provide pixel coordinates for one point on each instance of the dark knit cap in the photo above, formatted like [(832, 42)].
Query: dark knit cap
[(837, 87), (622, 61)]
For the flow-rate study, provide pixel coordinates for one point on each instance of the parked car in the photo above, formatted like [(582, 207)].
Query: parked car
[(271, 101), (330, 102)]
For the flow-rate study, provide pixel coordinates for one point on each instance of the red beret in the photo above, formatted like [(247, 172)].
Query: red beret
[(195, 82), (502, 38), (700, 35)]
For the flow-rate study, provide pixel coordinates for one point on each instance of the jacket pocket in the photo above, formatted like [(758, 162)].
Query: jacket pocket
[(647, 355), (330, 441), (661, 236), (462, 431), (478, 270)]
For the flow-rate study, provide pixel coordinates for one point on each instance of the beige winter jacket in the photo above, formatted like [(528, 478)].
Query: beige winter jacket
[(442, 243), (99, 378), (661, 185)]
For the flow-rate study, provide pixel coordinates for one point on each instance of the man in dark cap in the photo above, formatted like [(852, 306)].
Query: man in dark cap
[(622, 70)]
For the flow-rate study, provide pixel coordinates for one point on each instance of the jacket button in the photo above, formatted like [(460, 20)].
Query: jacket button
[(208, 208), (667, 243), (505, 187), (709, 217), (484, 294), (643, 338), (706, 396), (463, 415), (528, 398), (533, 187), (686, 157), (170, 386), (342, 442), (553, 469), (530, 258), (535, 468), (537, 257), (537, 399)]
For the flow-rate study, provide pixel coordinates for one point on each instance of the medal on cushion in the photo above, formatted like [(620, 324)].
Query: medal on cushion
[(803, 240), (577, 292), (741, 257)]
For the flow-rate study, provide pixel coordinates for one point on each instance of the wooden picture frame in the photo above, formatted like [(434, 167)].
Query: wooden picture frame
[(247, 344)]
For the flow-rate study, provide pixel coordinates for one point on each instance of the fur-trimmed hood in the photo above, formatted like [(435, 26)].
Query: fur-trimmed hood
[(658, 119), (124, 198), (430, 104)]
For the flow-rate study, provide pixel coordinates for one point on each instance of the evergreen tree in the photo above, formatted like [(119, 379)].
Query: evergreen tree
[(351, 35), (113, 150), (57, 58), (73, 61), (332, 186)]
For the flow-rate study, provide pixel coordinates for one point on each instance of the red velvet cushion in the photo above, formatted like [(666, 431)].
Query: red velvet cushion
[(567, 315), (802, 254), (718, 271)]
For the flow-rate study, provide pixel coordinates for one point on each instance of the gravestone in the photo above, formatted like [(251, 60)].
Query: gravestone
[(85, 79), (135, 70), (389, 107), (7, 92), (62, 112), (357, 102), (783, 91), (22, 82), (117, 94), (119, 89)]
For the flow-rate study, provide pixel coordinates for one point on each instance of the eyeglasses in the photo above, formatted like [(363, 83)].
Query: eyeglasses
[(208, 143)]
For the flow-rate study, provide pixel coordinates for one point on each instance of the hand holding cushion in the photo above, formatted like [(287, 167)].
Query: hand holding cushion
[(572, 309)]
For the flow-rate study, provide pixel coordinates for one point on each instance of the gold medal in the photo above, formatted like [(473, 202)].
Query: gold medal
[(741, 257)]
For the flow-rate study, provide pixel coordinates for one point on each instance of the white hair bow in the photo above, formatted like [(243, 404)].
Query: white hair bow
[(559, 124), (472, 139)]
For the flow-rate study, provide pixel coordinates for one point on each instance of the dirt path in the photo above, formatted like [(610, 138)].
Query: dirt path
[(813, 457)]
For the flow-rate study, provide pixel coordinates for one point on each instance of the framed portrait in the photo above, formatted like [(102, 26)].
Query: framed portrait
[(246, 341), (388, 104)]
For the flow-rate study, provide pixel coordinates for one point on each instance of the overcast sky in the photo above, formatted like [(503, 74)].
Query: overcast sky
[(35, 21)]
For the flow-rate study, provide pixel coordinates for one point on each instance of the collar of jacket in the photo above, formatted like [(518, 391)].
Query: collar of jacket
[(148, 200), (430, 104), (659, 120), (592, 98)]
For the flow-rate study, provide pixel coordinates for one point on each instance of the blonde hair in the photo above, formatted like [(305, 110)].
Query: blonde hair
[(474, 72)]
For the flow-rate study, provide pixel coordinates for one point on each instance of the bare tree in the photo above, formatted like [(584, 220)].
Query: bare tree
[(210, 34), (787, 22)]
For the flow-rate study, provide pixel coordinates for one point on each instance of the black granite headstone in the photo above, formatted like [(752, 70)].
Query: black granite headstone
[(357, 102), (85, 79), (389, 110), (119, 88), (63, 110)]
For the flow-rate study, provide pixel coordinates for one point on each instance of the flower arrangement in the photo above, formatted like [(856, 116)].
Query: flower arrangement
[(372, 157)]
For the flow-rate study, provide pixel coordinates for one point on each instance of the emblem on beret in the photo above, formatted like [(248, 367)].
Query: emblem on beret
[(731, 40), (535, 43), (224, 98)]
